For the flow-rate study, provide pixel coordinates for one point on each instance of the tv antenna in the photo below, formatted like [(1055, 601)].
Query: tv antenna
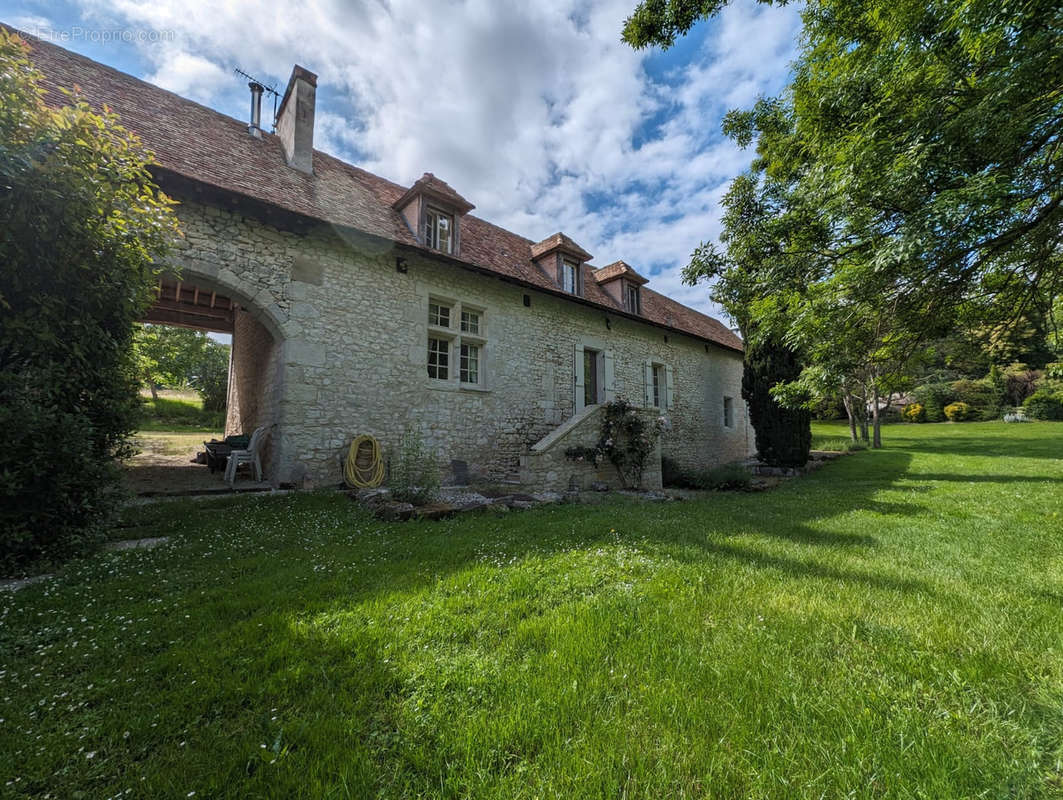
[(268, 88)]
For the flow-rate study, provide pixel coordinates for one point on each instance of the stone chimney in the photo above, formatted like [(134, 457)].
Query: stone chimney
[(295, 120)]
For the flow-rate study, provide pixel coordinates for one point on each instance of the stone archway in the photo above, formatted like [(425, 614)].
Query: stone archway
[(200, 295)]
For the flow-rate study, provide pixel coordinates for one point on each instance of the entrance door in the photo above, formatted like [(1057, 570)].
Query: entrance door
[(592, 378)]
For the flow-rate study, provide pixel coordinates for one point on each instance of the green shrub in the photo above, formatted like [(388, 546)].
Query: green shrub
[(413, 471), (674, 475), (728, 476), (933, 397), (83, 228), (211, 377), (984, 397), (1042, 405), (957, 412), (914, 412)]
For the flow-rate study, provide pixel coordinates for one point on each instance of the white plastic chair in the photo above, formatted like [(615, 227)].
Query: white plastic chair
[(249, 456)]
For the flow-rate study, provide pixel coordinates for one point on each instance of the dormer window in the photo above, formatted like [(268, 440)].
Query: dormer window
[(561, 260), (632, 302), (439, 233), (433, 212), (569, 276)]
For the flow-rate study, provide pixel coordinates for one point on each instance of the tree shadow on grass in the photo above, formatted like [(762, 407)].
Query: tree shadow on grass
[(998, 447), (980, 478), (322, 657)]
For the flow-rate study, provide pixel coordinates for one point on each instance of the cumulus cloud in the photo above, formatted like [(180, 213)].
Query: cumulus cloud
[(534, 111)]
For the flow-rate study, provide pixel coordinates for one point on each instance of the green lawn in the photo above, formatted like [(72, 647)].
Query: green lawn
[(890, 626)]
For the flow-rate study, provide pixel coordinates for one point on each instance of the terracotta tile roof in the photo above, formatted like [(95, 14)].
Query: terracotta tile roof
[(616, 270), (433, 187), (559, 242), (215, 150)]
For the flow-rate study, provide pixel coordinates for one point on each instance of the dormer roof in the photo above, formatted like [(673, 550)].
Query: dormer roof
[(434, 189), (618, 269), (559, 242)]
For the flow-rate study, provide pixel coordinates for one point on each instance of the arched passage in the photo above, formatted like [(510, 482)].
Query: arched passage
[(216, 300)]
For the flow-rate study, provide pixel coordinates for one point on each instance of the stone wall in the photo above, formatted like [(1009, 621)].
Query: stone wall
[(350, 338), (256, 381), (546, 466)]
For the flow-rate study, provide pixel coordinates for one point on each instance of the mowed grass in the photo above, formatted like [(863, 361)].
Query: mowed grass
[(889, 626), (178, 410)]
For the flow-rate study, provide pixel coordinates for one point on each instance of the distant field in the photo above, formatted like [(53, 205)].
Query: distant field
[(889, 626)]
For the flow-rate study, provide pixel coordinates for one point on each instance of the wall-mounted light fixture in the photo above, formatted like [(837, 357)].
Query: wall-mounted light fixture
[(400, 264)]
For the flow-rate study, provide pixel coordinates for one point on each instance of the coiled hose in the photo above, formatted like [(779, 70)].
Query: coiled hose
[(364, 468)]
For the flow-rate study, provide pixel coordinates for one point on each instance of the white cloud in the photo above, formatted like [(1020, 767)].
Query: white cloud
[(530, 110)]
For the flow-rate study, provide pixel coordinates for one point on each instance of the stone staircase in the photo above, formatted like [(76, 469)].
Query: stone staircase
[(545, 467)]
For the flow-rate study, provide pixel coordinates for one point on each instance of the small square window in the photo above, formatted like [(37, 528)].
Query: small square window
[(438, 358), (439, 233), (439, 315), (728, 412), (470, 322), (470, 363)]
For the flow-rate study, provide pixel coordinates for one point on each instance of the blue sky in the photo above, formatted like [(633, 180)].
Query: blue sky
[(536, 112)]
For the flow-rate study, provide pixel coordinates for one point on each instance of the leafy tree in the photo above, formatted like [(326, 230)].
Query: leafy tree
[(167, 355), (909, 180), (83, 225), (211, 375)]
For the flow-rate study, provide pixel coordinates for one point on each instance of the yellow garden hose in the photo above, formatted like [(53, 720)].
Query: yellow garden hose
[(364, 468)]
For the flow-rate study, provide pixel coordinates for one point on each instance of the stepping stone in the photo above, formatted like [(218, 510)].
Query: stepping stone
[(137, 544), (21, 583)]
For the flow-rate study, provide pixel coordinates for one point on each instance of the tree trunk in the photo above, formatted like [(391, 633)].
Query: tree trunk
[(877, 442), (154, 391), (847, 401)]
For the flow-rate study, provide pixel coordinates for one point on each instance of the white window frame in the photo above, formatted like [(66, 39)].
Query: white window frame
[(465, 325), (432, 238), (445, 351), (456, 332), (569, 276), (465, 359), (632, 298), (664, 396), (605, 366)]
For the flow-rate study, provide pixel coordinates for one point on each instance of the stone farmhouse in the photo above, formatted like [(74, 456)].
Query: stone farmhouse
[(360, 306)]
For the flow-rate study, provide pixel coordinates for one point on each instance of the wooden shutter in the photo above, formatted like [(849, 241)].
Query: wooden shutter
[(649, 384), (609, 375), (579, 279), (578, 378), (669, 388)]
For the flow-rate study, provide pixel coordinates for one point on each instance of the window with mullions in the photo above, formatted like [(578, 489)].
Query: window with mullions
[(570, 276), (658, 386), (438, 358), (439, 315), (469, 371), (470, 322), (455, 330), (439, 230)]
